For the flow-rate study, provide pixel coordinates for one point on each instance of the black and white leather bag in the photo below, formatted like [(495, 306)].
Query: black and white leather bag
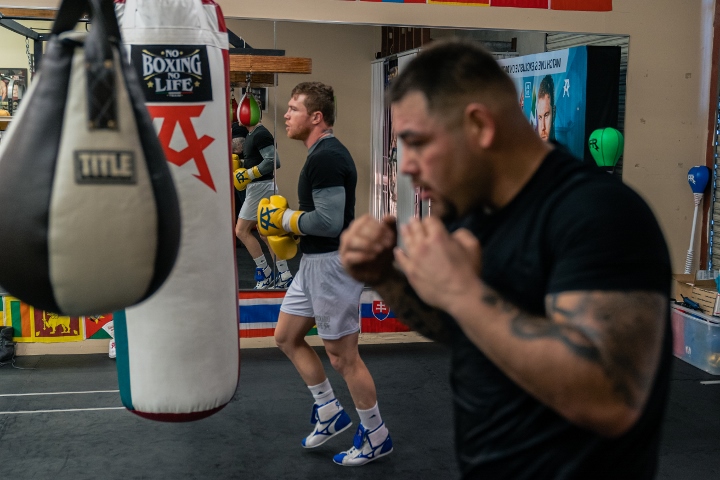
[(89, 215)]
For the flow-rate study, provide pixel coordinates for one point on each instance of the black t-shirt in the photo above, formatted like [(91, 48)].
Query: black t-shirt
[(329, 165), (255, 141), (571, 227)]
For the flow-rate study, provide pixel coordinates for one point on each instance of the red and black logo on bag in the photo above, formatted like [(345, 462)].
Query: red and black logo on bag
[(105, 167), (173, 73)]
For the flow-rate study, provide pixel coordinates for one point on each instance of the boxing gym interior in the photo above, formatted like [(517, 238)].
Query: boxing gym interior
[(155, 387)]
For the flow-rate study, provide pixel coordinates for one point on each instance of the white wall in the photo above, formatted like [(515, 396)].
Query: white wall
[(341, 56), (12, 45)]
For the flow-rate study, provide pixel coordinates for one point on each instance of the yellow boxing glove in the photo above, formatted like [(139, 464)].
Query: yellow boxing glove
[(244, 176), (275, 218), (284, 246), (236, 163)]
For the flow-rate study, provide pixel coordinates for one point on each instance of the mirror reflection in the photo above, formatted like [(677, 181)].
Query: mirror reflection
[(359, 64)]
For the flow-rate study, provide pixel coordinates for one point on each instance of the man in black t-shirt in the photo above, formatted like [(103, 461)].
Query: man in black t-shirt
[(547, 278), (322, 293), (256, 178)]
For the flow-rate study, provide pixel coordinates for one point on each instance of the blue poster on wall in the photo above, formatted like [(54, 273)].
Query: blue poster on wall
[(568, 93)]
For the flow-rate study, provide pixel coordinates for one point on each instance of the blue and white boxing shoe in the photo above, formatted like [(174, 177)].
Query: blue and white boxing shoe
[(329, 420), (367, 446), (262, 280), (283, 280)]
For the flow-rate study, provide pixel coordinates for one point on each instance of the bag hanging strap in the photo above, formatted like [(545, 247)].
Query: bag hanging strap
[(101, 12), (102, 41), (68, 15), (99, 57)]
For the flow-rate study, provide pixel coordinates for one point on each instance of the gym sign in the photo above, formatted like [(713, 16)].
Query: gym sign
[(173, 73)]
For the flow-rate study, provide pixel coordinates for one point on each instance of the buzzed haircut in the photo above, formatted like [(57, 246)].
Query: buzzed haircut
[(237, 144), (547, 88), (318, 98), (450, 71)]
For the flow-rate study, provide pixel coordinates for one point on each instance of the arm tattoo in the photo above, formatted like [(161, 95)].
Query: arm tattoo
[(413, 312), (614, 330)]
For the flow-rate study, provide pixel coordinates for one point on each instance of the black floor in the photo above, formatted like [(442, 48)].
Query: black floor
[(690, 447), (257, 436)]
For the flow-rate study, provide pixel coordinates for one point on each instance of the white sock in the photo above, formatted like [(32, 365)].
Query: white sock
[(282, 266), (370, 419), (322, 392), (260, 262)]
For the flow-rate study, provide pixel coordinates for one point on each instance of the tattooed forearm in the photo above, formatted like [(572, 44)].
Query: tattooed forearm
[(580, 339), (522, 324), (412, 311), (618, 331), (625, 329)]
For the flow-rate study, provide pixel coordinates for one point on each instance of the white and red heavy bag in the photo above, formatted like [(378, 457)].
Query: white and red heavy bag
[(178, 352)]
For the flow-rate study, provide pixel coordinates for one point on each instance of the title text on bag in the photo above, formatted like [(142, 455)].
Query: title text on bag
[(101, 166)]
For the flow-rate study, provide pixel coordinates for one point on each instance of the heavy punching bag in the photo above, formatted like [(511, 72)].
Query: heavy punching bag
[(89, 216), (177, 353)]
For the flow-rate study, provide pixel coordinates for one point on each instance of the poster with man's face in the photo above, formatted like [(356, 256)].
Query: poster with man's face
[(551, 91)]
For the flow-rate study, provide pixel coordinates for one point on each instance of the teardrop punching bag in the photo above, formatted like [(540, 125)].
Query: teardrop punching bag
[(177, 353), (698, 177), (249, 113), (606, 146), (89, 216)]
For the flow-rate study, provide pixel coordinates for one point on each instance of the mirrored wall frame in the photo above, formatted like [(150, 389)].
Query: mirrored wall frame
[(392, 192), (266, 67), (238, 90)]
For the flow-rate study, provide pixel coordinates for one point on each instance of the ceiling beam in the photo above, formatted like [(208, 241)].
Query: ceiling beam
[(257, 80), (29, 13), (269, 64), (256, 51)]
